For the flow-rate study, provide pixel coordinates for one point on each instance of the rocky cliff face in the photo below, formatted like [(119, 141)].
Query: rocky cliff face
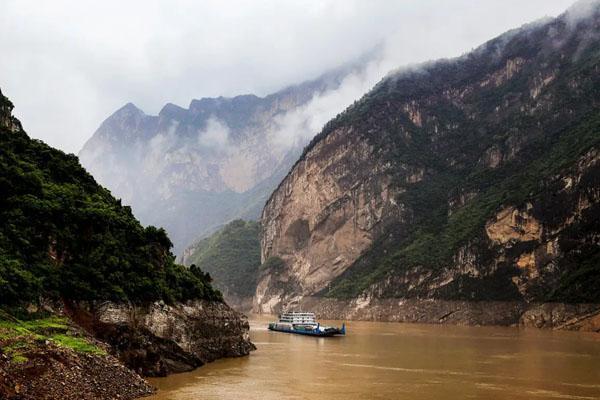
[(324, 215), (158, 339), (468, 179), (193, 170)]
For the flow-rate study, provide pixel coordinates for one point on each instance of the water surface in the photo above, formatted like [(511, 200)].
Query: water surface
[(400, 361)]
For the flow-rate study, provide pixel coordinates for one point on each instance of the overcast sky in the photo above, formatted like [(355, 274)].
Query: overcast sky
[(67, 65)]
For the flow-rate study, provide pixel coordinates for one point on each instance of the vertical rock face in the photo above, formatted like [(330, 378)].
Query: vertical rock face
[(324, 215), (158, 339), (6, 118), (225, 154), (468, 179)]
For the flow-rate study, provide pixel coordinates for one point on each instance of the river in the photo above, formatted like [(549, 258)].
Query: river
[(400, 361)]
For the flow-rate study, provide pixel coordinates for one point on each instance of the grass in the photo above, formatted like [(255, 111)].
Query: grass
[(79, 344), (18, 337), (19, 359), (45, 324)]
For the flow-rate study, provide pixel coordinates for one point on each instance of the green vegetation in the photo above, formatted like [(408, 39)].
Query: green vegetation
[(64, 236), (436, 237), (18, 337), (549, 141), (231, 256), (78, 344)]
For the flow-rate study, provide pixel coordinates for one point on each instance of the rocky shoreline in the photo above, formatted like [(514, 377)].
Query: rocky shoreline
[(52, 372), (127, 342), (158, 339), (583, 317)]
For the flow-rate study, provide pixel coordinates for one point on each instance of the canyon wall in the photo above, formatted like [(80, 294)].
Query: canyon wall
[(472, 179)]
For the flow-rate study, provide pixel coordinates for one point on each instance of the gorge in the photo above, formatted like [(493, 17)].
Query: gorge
[(446, 213)]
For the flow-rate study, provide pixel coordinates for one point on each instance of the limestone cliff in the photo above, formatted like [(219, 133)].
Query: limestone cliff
[(158, 339), (476, 178), (324, 215)]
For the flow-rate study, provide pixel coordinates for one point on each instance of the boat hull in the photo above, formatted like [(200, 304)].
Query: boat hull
[(327, 333)]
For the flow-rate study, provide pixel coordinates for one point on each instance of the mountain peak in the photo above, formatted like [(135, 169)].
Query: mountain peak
[(128, 109), (172, 110)]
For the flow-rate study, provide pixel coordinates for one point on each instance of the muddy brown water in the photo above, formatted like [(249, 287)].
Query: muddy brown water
[(400, 361)]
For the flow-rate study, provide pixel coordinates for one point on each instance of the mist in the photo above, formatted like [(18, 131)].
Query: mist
[(67, 65)]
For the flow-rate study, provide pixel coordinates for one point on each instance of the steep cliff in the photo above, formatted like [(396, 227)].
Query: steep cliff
[(192, 170), (476, 178)]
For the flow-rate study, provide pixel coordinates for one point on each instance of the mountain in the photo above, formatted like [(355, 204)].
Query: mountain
[(232, 257), (64, 235), (83, 283), (470, 179), (193, 170)]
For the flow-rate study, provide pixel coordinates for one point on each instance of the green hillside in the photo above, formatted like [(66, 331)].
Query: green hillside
[(540, 139), (231, 256), (64, 236)]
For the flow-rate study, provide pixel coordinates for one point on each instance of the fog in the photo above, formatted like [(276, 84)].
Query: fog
[(67, 65)]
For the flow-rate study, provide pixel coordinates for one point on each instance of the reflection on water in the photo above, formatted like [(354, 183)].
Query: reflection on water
[(400, 361)]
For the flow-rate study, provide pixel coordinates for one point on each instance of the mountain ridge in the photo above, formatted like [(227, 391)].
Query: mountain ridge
[(219, 151), (392, 198)]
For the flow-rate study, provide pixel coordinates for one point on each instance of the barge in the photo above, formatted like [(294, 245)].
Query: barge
[(304, 323)]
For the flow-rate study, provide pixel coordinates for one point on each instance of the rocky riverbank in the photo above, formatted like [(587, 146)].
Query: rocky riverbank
[(51, 358), (101, 351), (52, 372), (585, 317), (158, 339)]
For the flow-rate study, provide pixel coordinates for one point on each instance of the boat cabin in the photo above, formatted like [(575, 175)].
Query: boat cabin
[(293, 317)]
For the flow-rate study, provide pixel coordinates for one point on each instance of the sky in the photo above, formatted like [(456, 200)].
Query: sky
[(68, 65)]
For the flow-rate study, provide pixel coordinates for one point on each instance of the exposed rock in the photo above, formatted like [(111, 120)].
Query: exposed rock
[(492, 157), (474, 179), (49, 372), (158, 339), (224, 153), (511, 224), (6, 118), (584, 317), (497, 78), (335, 201), (540, 83)]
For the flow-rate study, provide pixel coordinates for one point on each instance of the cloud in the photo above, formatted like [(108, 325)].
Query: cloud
[(215, 135), (297, 127), (68, 64), (581, 9)]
